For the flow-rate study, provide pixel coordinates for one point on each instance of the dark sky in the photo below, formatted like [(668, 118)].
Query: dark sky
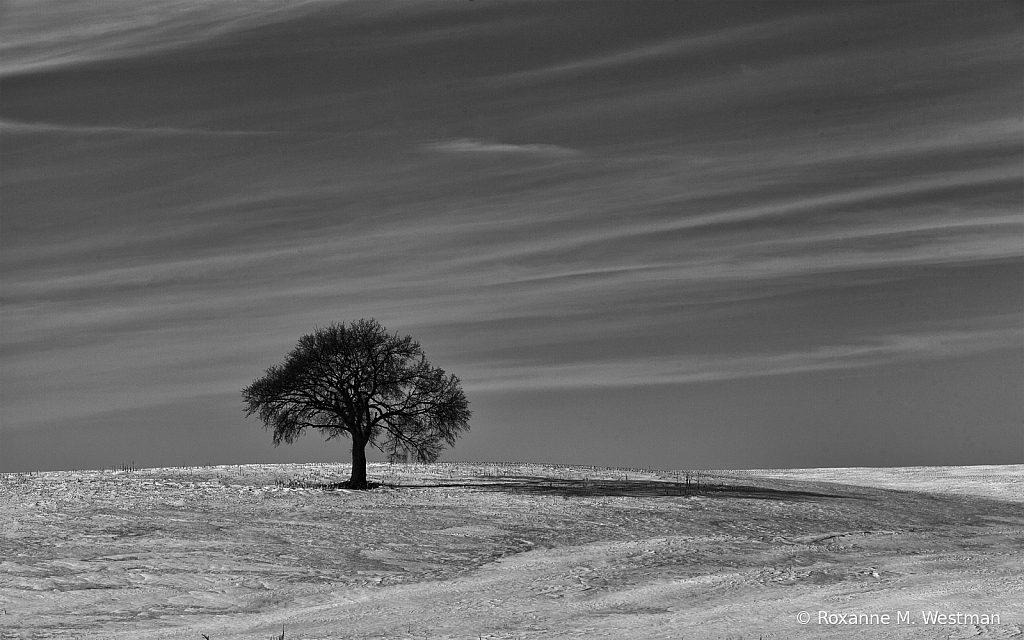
[(684, 235)]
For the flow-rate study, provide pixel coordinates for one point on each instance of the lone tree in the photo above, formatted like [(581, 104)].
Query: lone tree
[(360, 382)]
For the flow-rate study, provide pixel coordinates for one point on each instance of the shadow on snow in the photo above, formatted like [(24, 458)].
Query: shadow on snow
[(539, 485)]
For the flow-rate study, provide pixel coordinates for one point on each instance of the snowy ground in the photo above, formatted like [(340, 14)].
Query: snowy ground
[(510, 551)]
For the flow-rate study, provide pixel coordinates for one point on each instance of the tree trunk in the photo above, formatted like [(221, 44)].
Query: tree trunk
[(358, 479)]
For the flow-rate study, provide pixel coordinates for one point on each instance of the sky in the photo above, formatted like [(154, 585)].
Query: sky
[(693, 235)]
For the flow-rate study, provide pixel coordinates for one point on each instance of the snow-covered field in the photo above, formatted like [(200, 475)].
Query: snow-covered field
[(510, 551)]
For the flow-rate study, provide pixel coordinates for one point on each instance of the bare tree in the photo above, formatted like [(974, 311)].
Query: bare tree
[(360, 382)]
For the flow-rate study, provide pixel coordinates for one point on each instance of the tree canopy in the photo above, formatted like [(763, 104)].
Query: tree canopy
[(360, 382)]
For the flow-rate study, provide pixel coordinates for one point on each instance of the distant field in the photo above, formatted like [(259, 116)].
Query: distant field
[(504, 550), (1003, 482)]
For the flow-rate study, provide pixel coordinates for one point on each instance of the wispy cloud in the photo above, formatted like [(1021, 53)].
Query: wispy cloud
[(46, 34), (686, 45), (15, 127), (688, 369), (467, 145)]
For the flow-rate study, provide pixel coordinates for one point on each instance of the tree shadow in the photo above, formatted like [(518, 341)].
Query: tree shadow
[(566, 487)]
